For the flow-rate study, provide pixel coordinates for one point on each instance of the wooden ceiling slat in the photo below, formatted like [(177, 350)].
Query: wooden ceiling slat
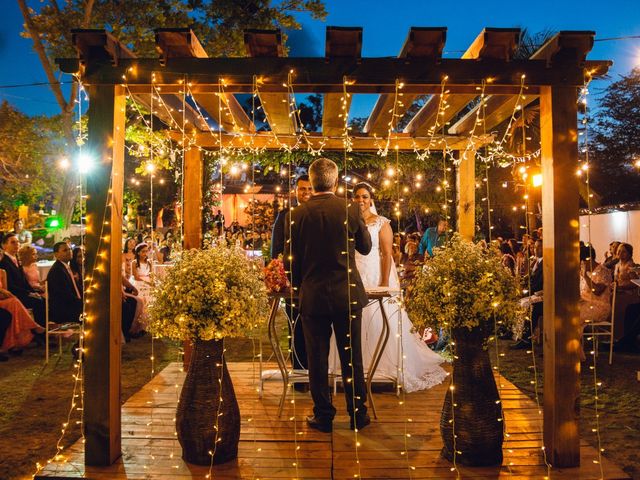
[(573, 46), (423, 43), (276, 106), (360, 142), (341, 42), (491, 43), (183, 43)]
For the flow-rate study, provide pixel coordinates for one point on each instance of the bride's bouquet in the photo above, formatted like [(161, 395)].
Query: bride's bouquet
[(275, 276), (208, 295)]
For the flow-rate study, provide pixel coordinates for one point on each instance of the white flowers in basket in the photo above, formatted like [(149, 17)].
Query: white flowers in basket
[(208, 295), (463, 285)]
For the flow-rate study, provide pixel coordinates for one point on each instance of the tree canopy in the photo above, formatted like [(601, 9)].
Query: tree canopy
[(616, 140)]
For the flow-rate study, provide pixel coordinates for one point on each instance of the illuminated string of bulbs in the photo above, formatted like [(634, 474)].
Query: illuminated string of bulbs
[(583, 99)]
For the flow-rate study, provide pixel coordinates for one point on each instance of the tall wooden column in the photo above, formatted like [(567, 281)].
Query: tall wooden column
[(466, 194), (560, 202), (104, 295), (192, 214), (192, 208)]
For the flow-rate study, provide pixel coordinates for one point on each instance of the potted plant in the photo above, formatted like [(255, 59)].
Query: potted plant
[(207, 296), (466, 291)]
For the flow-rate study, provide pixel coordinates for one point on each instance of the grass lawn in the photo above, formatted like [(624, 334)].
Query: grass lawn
[(619, 401)]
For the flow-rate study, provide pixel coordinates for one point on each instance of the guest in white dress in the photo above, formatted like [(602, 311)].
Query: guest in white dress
[(406, 357), (142, 271)]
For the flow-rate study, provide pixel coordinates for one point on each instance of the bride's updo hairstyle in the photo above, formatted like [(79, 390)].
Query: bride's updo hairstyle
[(364, 185)]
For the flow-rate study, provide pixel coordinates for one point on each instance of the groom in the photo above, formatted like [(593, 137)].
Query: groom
[(330, 291)]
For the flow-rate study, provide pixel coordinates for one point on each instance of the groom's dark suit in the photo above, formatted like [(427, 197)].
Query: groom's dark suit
[(329, 289)]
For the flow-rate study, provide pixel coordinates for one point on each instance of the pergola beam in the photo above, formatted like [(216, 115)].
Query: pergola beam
[(315, 75), (221, 106), (422, 44), (342, 42), (277, 107), (360, 142), (492, 44)]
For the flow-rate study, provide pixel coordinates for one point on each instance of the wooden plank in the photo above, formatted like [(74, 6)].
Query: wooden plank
[(494, 43), (466, 193), (228, 113), (106, 129), (497, 44), (566, 46), (341, 42), (277, 107), (360, 142), (423, 44), (560, 202)]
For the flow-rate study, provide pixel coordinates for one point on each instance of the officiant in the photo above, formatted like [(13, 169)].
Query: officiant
[(296, 336)]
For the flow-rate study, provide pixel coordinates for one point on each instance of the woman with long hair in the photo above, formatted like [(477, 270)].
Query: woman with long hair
[(406, 359)]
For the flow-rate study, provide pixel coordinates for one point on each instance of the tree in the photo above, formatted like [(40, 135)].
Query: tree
[(616, 140), (219, 24), (26, 158)]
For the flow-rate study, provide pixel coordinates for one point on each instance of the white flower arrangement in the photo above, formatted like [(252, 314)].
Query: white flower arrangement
[(463, 286), (208, 295)]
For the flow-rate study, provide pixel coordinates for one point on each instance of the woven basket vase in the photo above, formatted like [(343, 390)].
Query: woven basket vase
[(200, 410), (475, 418)]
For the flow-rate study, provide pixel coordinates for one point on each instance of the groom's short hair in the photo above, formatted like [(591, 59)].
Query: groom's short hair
[(323, 174)]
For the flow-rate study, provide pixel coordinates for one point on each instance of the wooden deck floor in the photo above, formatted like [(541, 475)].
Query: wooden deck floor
[(268, 444)]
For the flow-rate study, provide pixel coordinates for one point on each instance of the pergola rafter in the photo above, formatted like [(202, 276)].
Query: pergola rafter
[(553, 75)]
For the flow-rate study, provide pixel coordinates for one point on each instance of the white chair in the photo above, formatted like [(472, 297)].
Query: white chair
[(604, 328)]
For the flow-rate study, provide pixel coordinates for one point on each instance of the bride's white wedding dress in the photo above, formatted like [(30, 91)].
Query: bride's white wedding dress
[(420, 367)]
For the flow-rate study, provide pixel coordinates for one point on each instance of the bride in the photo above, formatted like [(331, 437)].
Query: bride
[(406, 358)]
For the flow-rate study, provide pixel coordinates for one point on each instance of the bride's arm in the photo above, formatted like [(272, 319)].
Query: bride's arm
[(386, 253)]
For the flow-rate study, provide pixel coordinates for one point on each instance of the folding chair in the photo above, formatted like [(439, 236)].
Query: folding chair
[(604, 328)]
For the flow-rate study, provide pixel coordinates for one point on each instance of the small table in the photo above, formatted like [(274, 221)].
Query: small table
[(374, 295)]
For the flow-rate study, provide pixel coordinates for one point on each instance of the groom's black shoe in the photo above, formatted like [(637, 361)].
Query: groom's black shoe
[(321, 426), (359, 422)]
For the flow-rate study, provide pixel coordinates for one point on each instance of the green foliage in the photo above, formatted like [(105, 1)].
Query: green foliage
[(209, 294), (27, 158), (219, 24), (617, 140), (463, 286)]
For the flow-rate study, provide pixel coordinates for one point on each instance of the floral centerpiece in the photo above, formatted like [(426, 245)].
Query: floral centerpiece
[(275, 276), (207, 296), (467, 292)]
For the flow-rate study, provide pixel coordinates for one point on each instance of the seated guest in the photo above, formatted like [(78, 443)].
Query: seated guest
[(626, 291), (532, 286), (24, 236), (27, 256), (595, 280), (508, 260), (17, 282), (134, 315), (77, 267), (611, 257), (142, 269), (65, 299), (20, 331), (165, 250)]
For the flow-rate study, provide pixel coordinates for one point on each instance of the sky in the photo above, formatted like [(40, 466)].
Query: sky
[(385, 24)]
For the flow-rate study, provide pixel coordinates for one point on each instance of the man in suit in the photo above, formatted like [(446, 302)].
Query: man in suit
[(303, 193), (65, 299), (320, 254), (17, 281)]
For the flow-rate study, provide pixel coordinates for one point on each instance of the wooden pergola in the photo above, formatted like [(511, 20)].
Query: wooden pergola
[(553, 75)]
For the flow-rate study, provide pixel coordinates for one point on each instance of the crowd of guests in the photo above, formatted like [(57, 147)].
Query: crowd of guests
[(24, 295)]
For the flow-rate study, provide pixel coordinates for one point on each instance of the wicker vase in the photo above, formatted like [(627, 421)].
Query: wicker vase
[(478, 430), (200, 409)]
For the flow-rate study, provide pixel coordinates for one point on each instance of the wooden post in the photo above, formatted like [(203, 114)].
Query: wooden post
[(466, 193), (560, 201), (103, 326), (192, 215)]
